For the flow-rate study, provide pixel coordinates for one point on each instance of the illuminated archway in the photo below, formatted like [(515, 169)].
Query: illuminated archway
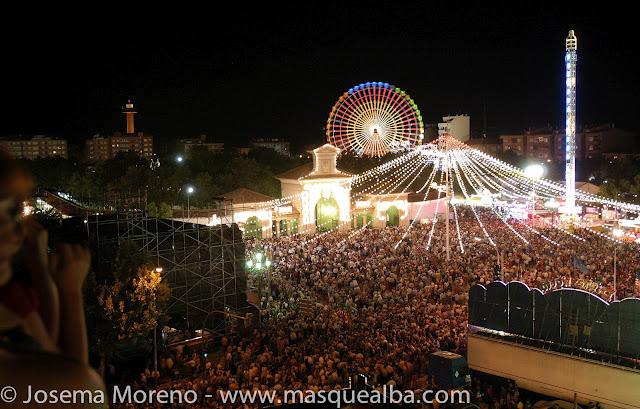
[(283, 227), (359, 220), (253, 228), (393, 216), (327, 214)]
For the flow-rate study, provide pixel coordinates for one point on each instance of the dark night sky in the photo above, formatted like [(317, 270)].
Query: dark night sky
[(275, 71)]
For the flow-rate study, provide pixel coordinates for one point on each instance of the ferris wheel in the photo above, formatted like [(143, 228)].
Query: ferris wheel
[(373, 119)]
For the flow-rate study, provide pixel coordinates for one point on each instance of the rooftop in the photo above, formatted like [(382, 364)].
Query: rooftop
[(297, 172), (244, 195)]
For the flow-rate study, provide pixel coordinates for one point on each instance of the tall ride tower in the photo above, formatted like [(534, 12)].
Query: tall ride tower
[(571, 60)]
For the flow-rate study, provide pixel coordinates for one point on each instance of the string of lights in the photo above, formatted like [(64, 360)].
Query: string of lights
[(424, 164), (435, 214), (473, 209), (427, 183), (454, 167), (483, 189)]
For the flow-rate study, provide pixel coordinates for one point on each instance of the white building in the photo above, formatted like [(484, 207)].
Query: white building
[(251, 212), (318, 197), (458, 126), (323, 195), (283, 147)]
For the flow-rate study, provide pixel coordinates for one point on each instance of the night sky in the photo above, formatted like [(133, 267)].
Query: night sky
[(275, 71)]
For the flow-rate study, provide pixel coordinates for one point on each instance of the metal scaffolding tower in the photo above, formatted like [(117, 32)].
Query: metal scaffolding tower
[(203, 265)]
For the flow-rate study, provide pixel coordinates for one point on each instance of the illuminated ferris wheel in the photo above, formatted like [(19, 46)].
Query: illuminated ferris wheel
[(373, 119)]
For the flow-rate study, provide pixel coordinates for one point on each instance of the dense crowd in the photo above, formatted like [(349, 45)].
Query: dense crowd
[(381, 300), (369, 302)]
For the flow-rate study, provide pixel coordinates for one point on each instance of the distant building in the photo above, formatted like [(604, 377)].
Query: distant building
[(514, 143), (458, 126), (107, 147), (601, 139), (549, 144), (537, 144), (560, 146), (430, 132), (490, 146), (281, 146), (619, 155), (540, 144), (38, 146), (185, 145)]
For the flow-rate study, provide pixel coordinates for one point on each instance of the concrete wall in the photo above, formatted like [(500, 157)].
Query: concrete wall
[(458, 126), (556, 374)]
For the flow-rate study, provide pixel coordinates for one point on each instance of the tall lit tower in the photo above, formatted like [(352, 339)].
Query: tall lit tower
[(129, 113), (571, 60)]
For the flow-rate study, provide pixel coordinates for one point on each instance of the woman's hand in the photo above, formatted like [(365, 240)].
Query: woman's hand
[(69, 266)]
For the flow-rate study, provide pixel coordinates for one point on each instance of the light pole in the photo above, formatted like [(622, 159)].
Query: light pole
[(189, 191), (259, 264), (159, 270), (552, 205), (448, 197)]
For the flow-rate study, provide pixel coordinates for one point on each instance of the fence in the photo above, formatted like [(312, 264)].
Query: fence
[(567, 317)]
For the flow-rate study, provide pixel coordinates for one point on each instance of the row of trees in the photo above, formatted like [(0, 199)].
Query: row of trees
[(163, 181)]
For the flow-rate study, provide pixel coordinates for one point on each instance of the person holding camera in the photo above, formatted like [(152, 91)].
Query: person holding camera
[(43, 339)]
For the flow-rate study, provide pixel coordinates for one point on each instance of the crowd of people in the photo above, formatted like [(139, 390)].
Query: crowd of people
[(377, 302), (370, 302)]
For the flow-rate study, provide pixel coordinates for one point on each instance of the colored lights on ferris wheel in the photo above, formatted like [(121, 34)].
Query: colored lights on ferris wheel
[(374, 119)]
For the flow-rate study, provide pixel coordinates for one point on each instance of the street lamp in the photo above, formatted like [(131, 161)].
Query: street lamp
[(179, 159), (259, 264), (534, 171), (552, 205), (159, 270), (190, 190)]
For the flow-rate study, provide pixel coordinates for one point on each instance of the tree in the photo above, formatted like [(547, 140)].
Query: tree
[(123, 309), (152, 209), (351, 163), (165, 211), (246, 172), (54, 173), (205, 190), (274, 161)]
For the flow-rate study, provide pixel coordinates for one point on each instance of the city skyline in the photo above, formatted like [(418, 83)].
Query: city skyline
[(282, 82)]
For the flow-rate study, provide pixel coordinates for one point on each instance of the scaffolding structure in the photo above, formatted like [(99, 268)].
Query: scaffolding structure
[(202, 264)]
